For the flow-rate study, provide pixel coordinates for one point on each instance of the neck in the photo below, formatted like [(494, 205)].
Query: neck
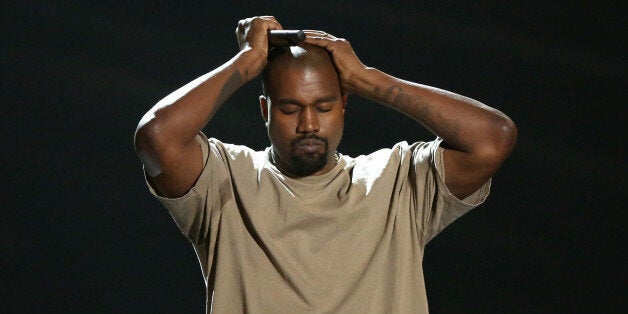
[(287, 169)]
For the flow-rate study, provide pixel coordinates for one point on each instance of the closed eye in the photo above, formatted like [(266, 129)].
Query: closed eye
[(324, 107), (290, 109)]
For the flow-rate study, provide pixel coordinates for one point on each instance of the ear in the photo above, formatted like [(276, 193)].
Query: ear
[(344, 102), (263, 106)]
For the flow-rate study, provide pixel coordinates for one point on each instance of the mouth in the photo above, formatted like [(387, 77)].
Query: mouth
[(309, 145)]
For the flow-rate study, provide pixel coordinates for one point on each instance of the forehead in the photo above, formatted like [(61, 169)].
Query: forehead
[(303, 81)]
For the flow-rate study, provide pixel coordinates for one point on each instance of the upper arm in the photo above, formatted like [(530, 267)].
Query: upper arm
[(172, 168), (466, 172)]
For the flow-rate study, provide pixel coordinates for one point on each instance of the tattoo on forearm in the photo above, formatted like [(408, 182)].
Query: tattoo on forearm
[(233, 82), (418, 109), (394, 95)]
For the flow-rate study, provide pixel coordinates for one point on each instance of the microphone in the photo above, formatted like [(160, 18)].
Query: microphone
[(285, 38)]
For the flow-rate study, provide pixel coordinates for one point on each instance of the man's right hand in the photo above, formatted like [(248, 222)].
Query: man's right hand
[(252, 34), (165, 136)]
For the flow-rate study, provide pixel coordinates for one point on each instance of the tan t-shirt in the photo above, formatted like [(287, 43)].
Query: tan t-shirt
[(348, 241)]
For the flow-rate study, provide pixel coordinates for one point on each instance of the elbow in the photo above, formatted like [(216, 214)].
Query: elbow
[(148, 134), (143, 134), (499, 142), (508, 135), (150, 145)]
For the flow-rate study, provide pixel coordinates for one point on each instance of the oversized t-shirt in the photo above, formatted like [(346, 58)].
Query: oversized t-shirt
[(347, 241)]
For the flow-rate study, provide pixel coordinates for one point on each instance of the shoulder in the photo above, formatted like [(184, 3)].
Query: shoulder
[(232, 150), (398, 153), (235, 154)]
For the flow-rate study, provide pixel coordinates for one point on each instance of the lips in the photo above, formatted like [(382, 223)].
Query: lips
[(309, 145)]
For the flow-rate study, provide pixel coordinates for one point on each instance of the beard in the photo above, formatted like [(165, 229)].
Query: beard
[(308, 163)]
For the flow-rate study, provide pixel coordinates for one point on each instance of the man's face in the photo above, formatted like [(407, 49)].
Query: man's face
[(304, 112)]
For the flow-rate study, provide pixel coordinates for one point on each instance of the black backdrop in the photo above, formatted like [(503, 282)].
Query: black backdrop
[(80, 232)]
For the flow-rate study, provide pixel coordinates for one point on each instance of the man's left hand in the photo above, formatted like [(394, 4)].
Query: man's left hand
[(351, 70)]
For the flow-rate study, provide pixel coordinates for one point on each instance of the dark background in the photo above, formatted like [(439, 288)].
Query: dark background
[(80, 232)]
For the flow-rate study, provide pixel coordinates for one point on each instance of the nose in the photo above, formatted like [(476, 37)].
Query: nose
[(308, 121)]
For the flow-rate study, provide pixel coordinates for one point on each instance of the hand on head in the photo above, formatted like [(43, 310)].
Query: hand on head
[(349, 66), (253, 32)]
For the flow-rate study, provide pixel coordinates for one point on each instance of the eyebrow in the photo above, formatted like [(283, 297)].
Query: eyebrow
[(285, 101)]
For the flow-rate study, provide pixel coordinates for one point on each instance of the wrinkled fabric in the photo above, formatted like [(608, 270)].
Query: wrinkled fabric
[(348, 241)]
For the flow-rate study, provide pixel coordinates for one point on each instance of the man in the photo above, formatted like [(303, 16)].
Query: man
[(298, 227)]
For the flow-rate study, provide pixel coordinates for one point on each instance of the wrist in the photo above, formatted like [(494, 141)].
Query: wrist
[(250, 62), (363, 82)]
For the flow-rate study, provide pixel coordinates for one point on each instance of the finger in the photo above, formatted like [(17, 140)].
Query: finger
[(315, 33), (272, 22), (269, 17), (318, 40), (269, 21)]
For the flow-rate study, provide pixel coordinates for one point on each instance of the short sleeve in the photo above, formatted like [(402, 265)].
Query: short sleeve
[(436, 206), (193, 211)]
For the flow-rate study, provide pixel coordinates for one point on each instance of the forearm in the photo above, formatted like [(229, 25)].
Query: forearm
[(477, 138), (179, 117), (464, 124)]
